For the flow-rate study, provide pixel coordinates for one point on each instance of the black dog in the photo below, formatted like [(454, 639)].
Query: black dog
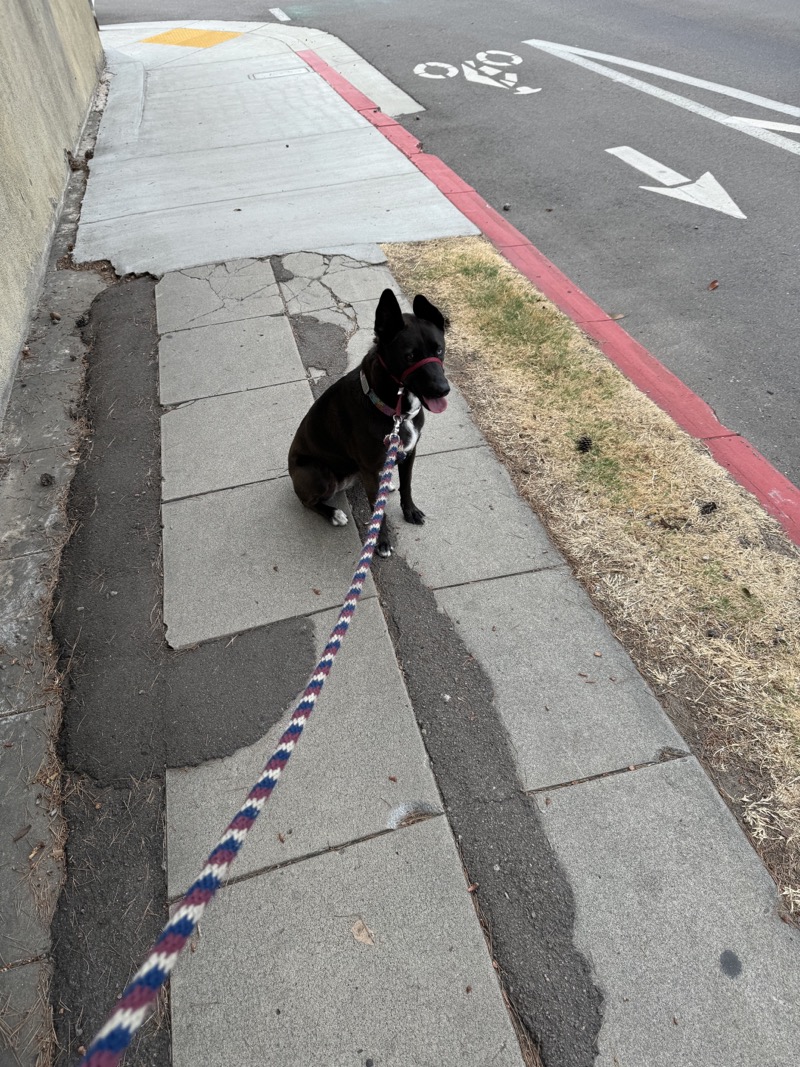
[(342, 436)]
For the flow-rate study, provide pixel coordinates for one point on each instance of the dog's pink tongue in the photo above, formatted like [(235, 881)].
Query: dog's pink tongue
[(435, 404)]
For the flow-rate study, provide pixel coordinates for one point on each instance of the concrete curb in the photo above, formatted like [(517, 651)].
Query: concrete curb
[(732, 451)]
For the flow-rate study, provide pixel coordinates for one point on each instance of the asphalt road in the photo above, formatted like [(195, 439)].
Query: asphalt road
[(652, 258)]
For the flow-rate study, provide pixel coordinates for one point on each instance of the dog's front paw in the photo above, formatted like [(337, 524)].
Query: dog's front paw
[(384, 549), (338, 518), (414, 515)]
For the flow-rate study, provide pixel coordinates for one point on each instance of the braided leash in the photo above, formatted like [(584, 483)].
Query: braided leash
[(140, 994)]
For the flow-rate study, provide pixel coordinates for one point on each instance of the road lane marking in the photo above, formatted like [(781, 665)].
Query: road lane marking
[(672, 75), (577, 56), (281, 16), (768, 124), (705, 192)]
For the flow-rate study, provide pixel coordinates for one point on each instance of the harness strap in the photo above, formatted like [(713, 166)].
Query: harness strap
[(409, 370)]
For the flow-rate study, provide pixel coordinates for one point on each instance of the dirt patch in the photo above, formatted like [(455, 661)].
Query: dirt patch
[(697, 581)]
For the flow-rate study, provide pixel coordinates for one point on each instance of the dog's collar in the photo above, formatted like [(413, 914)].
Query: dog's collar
[(385, 409)]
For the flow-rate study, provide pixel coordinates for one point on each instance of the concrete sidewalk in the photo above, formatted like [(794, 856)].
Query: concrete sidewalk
[(510, 821)]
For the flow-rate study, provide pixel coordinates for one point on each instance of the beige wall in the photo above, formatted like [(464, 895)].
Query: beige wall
[(50, 56)]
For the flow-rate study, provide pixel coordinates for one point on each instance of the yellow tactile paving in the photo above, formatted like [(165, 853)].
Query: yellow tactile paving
[(190, 38)]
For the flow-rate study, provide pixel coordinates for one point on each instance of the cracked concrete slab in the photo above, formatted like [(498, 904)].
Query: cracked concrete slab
[(680, 920), (230, 440), (249, 556), (225, 292), (362, 253), (348, 991), (227, 357), (571, 700), (305, 264), (304, 295), (354, 285), (335, 789)]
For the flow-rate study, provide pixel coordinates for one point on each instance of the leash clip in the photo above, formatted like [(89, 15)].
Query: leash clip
[(394, 437)]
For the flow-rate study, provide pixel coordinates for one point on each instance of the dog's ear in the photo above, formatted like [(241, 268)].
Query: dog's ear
[(424, 309), (389, 319)]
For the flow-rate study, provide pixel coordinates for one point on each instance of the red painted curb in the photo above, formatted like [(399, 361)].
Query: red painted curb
[(750, 469)]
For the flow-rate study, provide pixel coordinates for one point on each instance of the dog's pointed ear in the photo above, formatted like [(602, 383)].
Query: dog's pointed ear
[(388, 316), (424, 309)]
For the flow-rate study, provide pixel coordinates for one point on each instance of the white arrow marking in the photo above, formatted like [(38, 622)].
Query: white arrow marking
[(576, 55), (705, 192)]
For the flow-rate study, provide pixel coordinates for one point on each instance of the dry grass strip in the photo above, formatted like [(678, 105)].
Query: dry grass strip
[(696, 580)]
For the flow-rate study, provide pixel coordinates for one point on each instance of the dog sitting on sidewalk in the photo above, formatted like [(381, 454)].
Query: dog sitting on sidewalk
[(342, 435)]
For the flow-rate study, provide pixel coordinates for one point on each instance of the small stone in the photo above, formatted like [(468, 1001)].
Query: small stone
[(54, 315)]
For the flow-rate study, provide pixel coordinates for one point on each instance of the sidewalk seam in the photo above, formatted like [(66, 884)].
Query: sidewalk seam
[(248, 875)]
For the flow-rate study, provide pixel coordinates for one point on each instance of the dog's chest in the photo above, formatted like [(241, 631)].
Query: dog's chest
[(409, 434)]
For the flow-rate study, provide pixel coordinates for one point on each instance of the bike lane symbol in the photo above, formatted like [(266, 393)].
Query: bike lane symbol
[(488, 68)]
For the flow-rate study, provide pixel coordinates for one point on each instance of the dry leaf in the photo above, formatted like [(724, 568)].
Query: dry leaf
[(616, 318), (362, 933), (392, 778), (713, 285), (471, 888)]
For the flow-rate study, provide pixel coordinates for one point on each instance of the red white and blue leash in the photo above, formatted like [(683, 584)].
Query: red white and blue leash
[(139, 996)]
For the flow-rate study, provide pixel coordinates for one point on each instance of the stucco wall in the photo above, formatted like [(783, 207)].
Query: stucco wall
[(50, 57)]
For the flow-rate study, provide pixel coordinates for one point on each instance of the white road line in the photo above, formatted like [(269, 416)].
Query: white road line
[(672, 75), (768, 124), (570, 54), (281, 16), (648, 166)]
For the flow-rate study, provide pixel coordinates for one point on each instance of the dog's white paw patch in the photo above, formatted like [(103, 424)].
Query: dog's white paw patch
[(384, 551), (339, 518)]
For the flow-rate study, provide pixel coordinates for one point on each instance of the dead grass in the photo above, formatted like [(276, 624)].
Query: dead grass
[(700, 584)]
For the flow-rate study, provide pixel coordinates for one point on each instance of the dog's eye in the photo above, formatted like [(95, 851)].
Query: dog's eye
[(439, 350)]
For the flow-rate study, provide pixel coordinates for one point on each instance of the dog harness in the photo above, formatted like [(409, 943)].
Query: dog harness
[(395, 412)]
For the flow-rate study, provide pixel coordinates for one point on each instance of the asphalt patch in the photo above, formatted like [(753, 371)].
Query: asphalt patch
[(523, 896), (112, 907), (323, 346), (132, 706)]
